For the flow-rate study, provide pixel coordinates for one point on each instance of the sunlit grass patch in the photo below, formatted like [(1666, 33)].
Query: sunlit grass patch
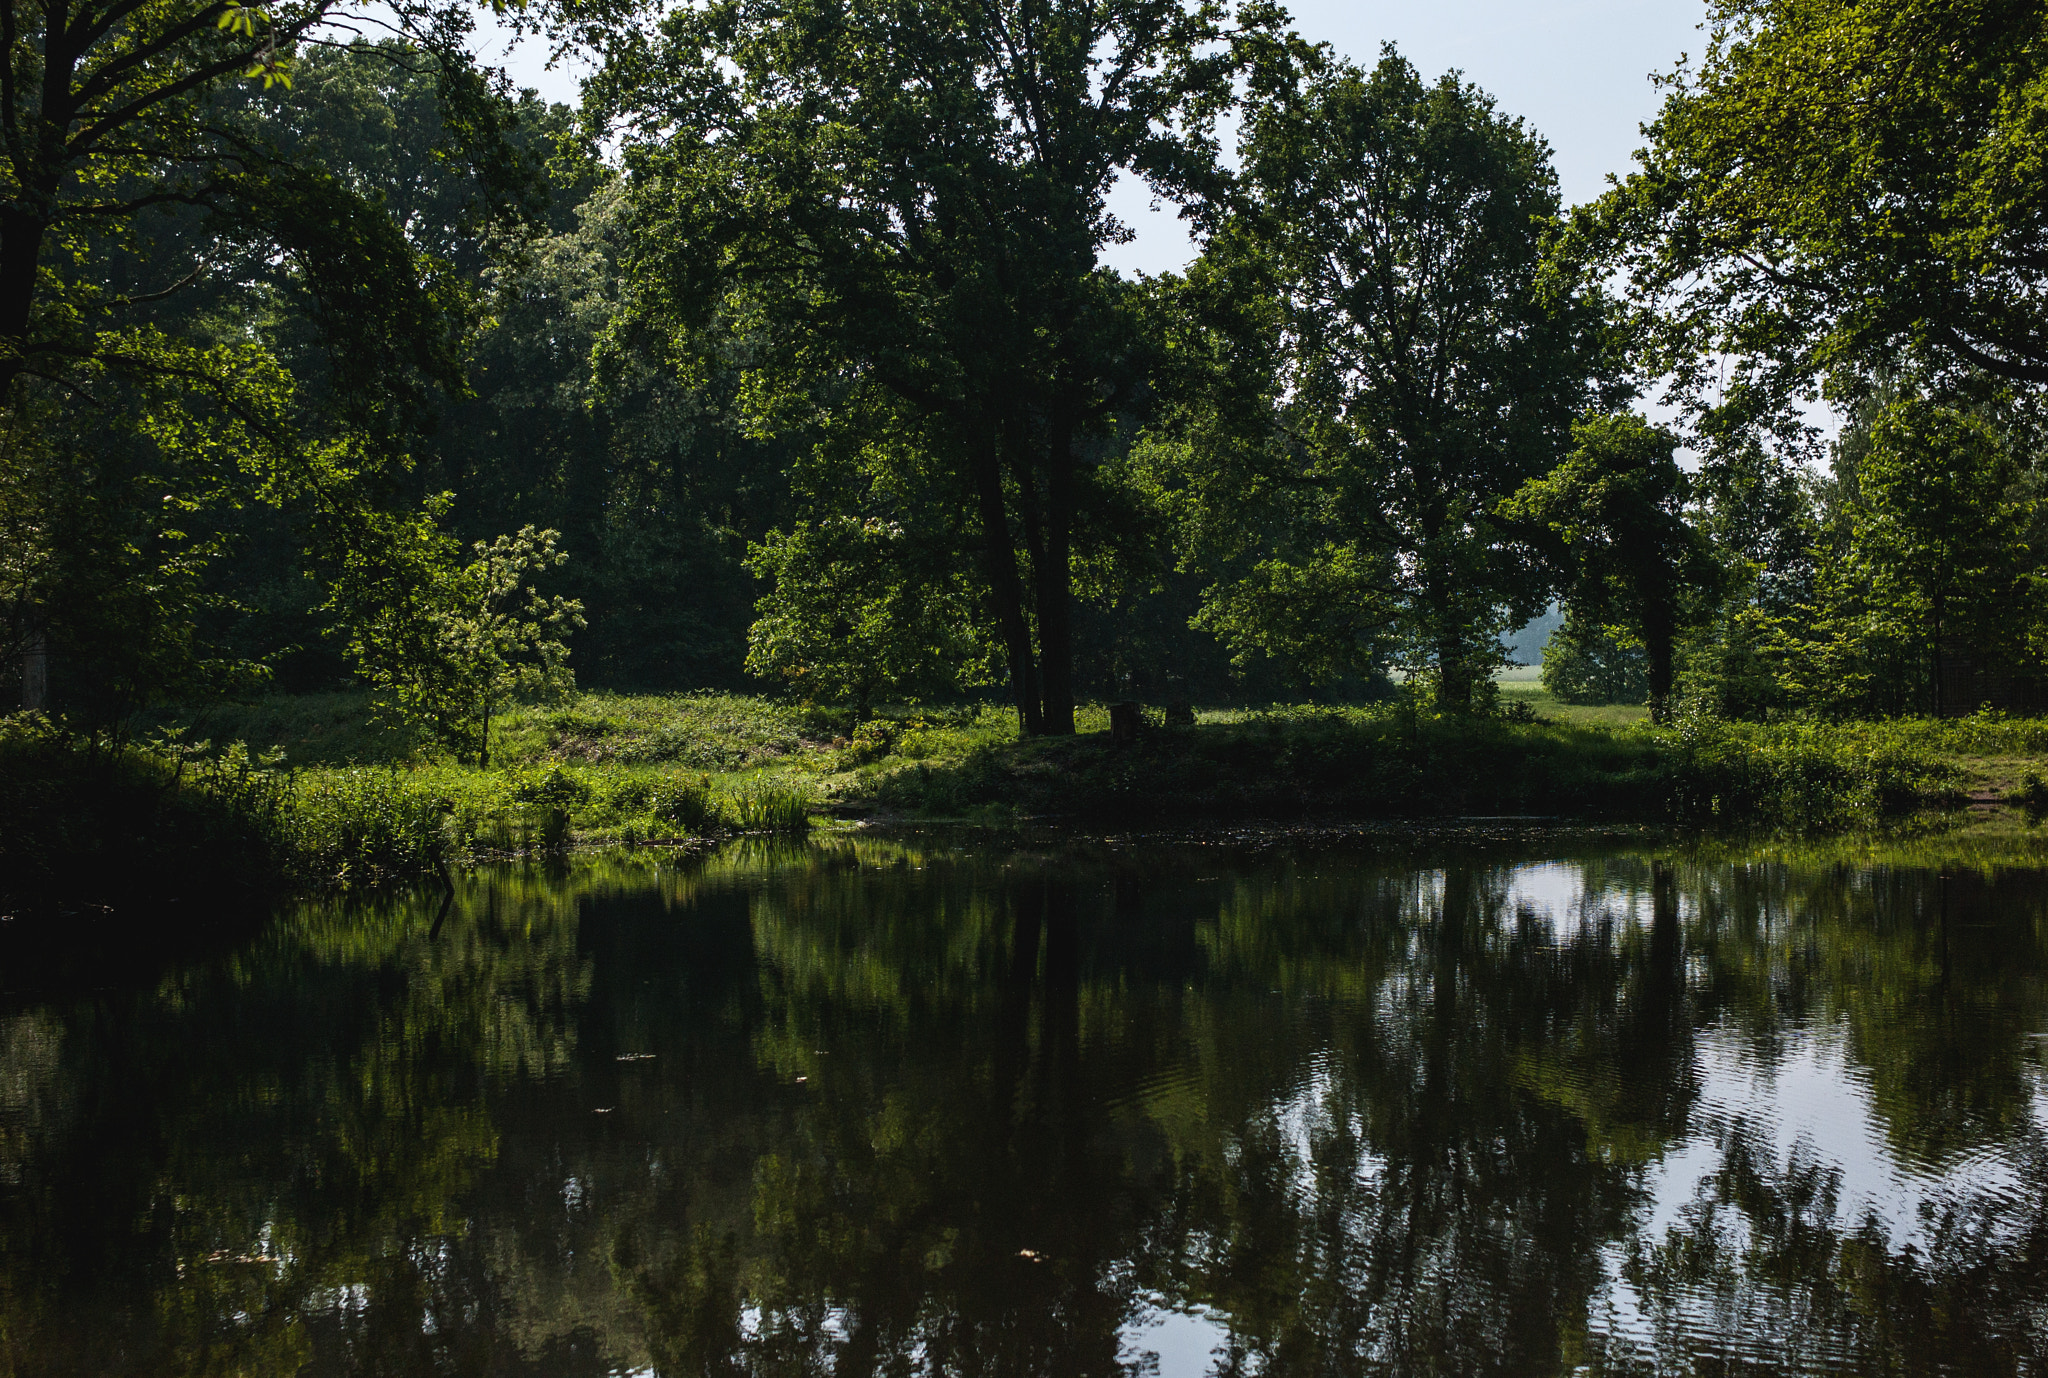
[(1530, 691), (704, 731)]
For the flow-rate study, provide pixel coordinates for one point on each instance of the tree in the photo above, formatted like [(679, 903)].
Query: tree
[(202, 314), (1935, 558), (1835, 193), (1835, 187), (1626, 555), (114, 110), (875, 599), (1425, 368), (895, 212), (1939, 532), (442, 646), (1590, 662), (655, 491)]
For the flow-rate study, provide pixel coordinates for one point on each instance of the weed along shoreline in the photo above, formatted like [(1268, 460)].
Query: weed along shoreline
[(242, 804)]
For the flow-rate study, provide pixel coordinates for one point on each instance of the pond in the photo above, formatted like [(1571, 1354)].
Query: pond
[(922, 1104)]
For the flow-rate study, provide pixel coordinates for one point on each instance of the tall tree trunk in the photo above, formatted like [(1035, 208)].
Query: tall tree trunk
[(1657, 641), (999, 567), (1937, 656), (21, 248), (1453, 675), (1054, 577), (1446, 628), (35, 673)]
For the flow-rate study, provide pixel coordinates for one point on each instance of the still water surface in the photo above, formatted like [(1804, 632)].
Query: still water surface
[(925, 1106)]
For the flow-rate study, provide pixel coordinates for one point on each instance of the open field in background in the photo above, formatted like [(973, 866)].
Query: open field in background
[(1521, 684)]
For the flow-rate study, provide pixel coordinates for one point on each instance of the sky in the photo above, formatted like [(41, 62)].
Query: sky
[(1577, 70)]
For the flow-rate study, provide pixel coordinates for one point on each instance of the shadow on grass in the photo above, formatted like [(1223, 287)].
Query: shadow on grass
[(1293, 764), (1389, 764)]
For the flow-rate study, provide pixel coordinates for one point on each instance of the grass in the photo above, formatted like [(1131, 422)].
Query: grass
[(656, 767), (1521, 684), (347, 806)]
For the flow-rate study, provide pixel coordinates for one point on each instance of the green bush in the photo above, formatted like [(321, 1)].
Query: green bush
[(553, 787), (96, 820), (871, 741), (1587, 663), (1802, 777), (685, 805)]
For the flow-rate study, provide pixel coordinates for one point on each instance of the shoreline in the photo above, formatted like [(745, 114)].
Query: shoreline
[(83, 825)]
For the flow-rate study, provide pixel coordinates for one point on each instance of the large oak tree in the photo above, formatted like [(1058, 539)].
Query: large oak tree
[(893, 213), (1839, 186), (1385, 269)]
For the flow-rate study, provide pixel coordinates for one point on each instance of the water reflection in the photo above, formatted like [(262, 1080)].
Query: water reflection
[(895, 1107)]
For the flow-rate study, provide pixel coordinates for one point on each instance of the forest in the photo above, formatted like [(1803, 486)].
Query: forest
[(393, 462)]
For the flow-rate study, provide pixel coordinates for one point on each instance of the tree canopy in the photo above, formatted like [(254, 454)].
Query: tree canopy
[(800, 334), (1424, 365), (1836, 188), (891, 217)]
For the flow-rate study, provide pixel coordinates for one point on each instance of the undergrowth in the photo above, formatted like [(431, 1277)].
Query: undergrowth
[(639, 769)]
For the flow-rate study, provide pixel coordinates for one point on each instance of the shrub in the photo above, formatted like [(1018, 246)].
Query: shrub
[(94, 819), (553, 787), (684, 804), (1800, 777), (871, 741), (367, 824), (1587, 663)]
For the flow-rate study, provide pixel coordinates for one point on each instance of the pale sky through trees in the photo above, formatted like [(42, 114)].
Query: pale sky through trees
[(1577, 70)]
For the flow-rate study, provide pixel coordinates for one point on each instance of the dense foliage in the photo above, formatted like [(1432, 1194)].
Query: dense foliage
[(789, 359)]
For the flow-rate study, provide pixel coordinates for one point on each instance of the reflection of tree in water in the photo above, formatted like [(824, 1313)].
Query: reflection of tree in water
[(1353, 1115), (949, 1196), (1936, 979), (1434, 1194), (1935, 982), (882, 1108), (1767, 1252), (247, 1149)]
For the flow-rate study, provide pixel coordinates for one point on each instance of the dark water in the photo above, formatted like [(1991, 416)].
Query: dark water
[(904, 1107)]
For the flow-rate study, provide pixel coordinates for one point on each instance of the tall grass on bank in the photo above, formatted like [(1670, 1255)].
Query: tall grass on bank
[(1806, 778), (769, 809), (167, 815), (95, 822), (367, 824)]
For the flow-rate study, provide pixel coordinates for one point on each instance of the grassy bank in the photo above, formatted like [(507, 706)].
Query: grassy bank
[(626, 765), (85, 824), (607, 758), (341, 804)]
